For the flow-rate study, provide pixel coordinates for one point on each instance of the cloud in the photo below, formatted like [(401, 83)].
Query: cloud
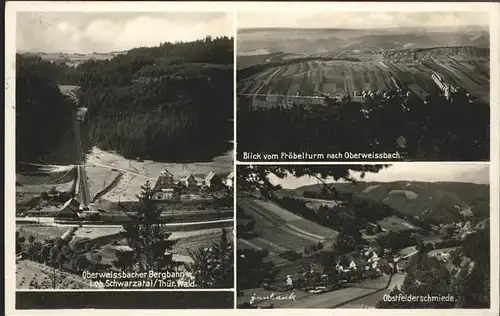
[(111, 31), (362, 20), (471, 173)]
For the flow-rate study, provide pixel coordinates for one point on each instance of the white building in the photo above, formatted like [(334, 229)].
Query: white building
[(189, 182), (229, 181), (212, 179)]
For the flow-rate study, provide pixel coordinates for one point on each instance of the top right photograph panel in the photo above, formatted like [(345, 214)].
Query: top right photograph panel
[(363, 86)]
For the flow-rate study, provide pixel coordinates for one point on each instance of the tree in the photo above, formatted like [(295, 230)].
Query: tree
[(19, 242), (61, 258), (124, 260), (89, 247), (213, 266), (474, 290), (345, 243), (45, 253), (54, 255), (420, 247), (43, 115), (146, 236), (252, 270), (329, 262)]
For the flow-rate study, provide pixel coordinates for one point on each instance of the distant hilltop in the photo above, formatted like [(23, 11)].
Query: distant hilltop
[(73, 53), (72, 58), (471, 28)]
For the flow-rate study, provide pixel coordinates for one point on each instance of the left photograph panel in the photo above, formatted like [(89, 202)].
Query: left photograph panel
[(124, 152)]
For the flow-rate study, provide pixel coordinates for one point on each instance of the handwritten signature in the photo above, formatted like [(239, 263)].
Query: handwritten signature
[(272, 296)]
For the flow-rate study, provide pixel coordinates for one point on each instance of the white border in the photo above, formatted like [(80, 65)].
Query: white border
[(279, 8), (235, 238)]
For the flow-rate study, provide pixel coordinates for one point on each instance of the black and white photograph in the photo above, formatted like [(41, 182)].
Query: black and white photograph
[(228, 156), (363, 86), (400, 236), (124, 150)]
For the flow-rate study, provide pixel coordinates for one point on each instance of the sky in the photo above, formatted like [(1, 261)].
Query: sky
[(87, 32), (361, 20), (472, 173)]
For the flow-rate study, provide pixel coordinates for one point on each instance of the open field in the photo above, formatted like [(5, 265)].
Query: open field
[(30, 185), (40, 231), (315, 204), (45, 231), (99, 178), (137, 173), (197, 239), (97, 232), (288, 221), (33, 275), (273, 236), (186, 241), (395, 224), (74, 59), (462, 67), (275, 210)]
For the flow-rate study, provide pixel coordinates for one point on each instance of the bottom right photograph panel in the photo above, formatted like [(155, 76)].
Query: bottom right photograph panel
[(406, 235)]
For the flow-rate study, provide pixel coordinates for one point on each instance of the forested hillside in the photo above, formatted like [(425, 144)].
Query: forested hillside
[(172, 102), (434, 201), (43, 116)]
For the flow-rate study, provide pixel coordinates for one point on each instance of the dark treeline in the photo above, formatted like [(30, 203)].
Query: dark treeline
[(433, 130), (173, 102), (43, 115)]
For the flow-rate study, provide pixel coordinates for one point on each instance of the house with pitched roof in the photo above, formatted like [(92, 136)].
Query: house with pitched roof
[(190, 182), (165, 180), (383, 266), (212, 179)]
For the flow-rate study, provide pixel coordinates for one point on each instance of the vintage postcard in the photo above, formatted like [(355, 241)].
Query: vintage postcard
[(225, 157)]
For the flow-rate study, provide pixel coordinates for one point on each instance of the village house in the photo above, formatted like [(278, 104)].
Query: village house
[(165, 180), (351, 262), (383, 266), (402, 265), (212, 180), (189, 182), (372, 249), (229, 181), (373, 257)]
